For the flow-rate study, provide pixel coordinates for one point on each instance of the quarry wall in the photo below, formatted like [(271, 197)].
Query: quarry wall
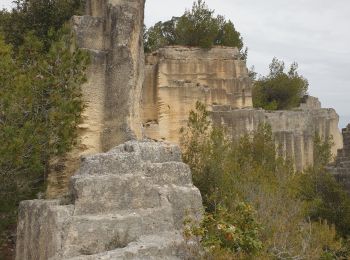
[(111, 32), (176, 77), (293, 130)]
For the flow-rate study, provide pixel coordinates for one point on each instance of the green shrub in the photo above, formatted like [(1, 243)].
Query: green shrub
[(40, 104), (231, 172), (323, 196), (232, 232), (40, 98), (279, 90), (41, 17)]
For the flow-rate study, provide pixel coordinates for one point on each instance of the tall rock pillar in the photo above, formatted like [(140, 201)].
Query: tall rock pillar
[(111, 31)]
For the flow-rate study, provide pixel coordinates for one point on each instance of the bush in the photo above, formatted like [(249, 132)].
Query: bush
[(40, 104), (279, 90), (235, 232), (40, 98), (41, 17), (197, 27), (231, 172), (323, 196)]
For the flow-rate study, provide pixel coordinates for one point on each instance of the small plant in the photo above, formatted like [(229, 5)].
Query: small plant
[(234, 232)]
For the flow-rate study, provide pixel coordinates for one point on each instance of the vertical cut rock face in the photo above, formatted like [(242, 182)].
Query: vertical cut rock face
[(293, 130), (341, 167), (128, 203), (111, 31), (176, 77)]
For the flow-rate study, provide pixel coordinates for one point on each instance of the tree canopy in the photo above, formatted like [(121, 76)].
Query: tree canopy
[(196, 27), (40, 98), (41, 17), (279, 89)]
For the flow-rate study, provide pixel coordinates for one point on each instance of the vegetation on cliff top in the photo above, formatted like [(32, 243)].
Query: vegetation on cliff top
[(279, 90), (196, 27), (257, 206), (40, 98)]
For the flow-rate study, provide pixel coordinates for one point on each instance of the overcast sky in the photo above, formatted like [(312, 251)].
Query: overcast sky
[(314, 33)]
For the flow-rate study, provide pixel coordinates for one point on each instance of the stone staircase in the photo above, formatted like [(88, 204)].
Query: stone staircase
[(129, 203), (341, 167)]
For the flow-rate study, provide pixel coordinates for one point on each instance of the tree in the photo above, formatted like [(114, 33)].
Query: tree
[(40, 104), (196, 27), (160, 35), (228, 36), (279, 90), (42, 17)]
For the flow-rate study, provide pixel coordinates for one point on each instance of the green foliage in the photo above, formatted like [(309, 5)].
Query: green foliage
[(196, 27), (234, 232), (231, 172), (279, 90), (324, 197), (42, 17), (40, 104), (40, 97)]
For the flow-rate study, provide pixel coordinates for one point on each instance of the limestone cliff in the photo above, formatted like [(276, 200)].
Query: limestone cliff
[(293, 130), (111, 31), (129, 203), (176, 77)]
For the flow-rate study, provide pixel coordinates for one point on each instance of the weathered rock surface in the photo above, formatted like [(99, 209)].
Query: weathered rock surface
[(111, 31), (293, 130), (176, 77), (129, 203), (341, 167)]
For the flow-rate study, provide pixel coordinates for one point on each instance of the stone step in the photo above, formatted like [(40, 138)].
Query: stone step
[(163, 246), (345, 164), (185, 201), (154, 152), (110, 193), (111, 163), (168, 173), (93, 234), (341, 158), (129, 158)]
